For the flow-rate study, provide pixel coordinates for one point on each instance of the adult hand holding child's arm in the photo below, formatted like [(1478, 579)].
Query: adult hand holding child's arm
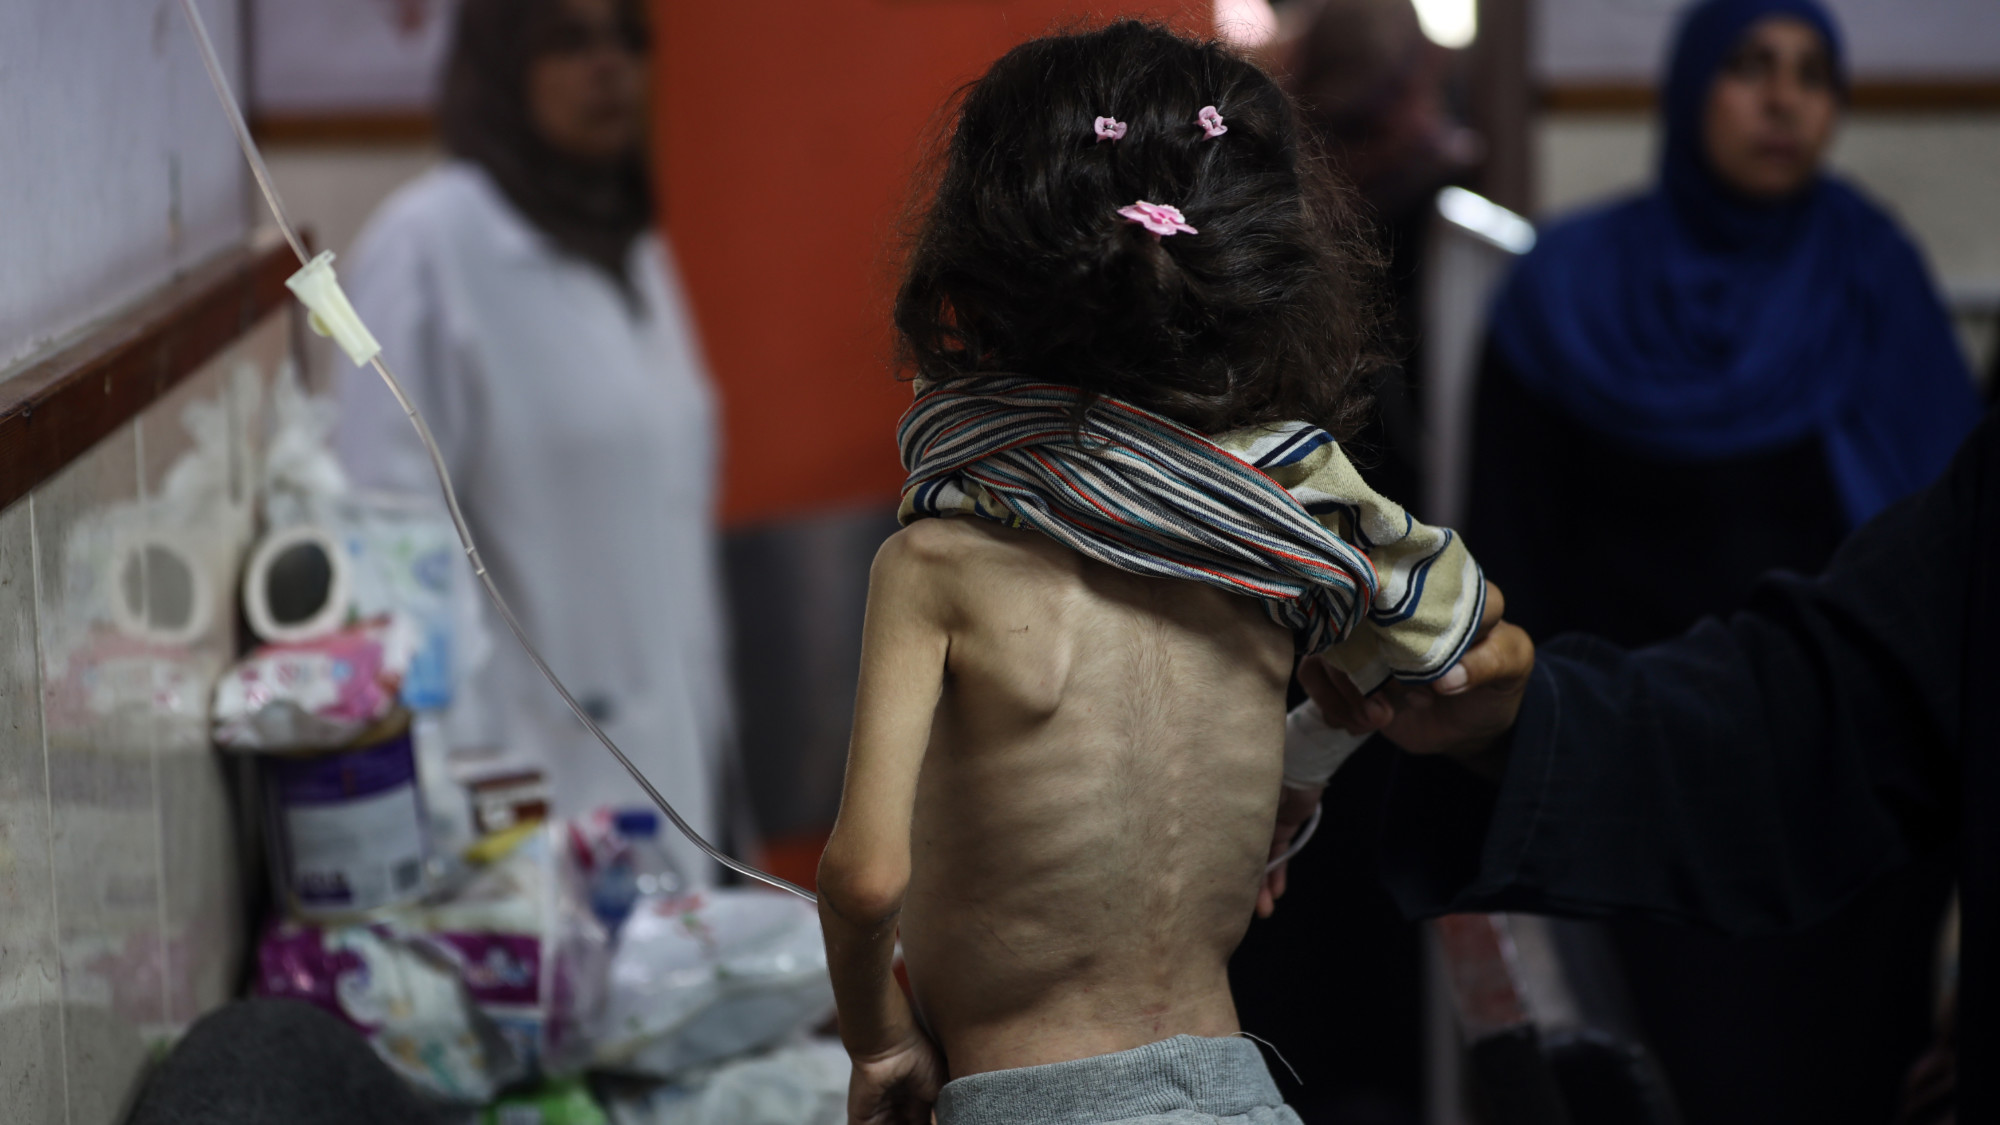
[(1463, 714), (866, 867)]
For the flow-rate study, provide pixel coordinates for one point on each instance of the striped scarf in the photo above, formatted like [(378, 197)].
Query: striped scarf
[(1274, 513)]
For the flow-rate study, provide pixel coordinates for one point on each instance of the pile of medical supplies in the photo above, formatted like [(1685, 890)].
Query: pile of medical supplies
[(492, 954)]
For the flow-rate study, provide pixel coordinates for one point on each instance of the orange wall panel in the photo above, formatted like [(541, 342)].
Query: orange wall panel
[(788, 133)]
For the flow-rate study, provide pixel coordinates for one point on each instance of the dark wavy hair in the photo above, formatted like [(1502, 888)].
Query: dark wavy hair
[(591, 210), (1021, 265)]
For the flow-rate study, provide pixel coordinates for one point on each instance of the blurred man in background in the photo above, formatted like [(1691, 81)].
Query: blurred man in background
[(1373, 91)]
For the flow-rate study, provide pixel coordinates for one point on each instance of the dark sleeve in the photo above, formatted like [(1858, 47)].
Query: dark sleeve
[(1516, 469), (1752, 775), (1587, 534)]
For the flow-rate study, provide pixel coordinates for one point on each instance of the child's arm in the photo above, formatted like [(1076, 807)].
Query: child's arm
[(866, 867)]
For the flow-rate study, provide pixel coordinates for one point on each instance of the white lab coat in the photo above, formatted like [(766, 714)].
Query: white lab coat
[(583, 443)]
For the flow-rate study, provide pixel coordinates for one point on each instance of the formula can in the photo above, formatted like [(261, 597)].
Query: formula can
[(347, 829)]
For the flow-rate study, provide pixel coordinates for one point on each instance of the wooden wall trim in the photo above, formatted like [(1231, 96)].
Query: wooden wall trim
[(389, 128), (56, 408), (1871, 96)]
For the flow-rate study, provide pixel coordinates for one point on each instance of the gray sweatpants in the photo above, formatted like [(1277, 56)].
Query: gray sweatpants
[(1178, 1081)]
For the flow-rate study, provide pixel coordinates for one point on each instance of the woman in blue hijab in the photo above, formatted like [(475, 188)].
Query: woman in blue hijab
[(1721, 376), (1748, 300)]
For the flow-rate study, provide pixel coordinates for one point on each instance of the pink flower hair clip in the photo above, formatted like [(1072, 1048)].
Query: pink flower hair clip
[(1160, 219), (1110, 129), (1210, 119)]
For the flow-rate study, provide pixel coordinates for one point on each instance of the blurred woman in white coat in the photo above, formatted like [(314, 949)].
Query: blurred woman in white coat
[(535, 316)]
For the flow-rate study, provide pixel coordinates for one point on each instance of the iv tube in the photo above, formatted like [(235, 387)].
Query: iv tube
[(270, 191)]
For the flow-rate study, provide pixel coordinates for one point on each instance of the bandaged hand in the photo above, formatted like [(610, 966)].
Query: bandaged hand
[(1315, 748)]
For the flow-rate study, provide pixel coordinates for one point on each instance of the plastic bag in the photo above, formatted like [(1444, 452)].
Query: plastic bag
[(801, 1085), (301, 473), (566, 1101), (312, 695), (707, 976), (404, 993), (495, 982), (533, 956), (404, 556)]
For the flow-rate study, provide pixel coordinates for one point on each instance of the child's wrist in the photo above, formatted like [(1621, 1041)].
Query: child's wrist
[(881, 1044), (1314, 748)]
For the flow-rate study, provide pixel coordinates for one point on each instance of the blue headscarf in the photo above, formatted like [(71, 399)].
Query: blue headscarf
[(1692, 323)]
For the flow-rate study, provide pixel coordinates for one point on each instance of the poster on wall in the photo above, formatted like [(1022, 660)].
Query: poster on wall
[(344, 58), (1624, 41)]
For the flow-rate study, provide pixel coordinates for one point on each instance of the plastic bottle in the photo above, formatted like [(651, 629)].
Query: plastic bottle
[(638, 868)]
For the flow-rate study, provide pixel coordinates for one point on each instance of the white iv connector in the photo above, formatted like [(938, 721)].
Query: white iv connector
[(332, 315)]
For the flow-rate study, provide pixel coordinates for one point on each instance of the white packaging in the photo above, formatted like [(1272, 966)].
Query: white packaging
[(405, 559), (402, 991), (804, 1084), (708, 976)]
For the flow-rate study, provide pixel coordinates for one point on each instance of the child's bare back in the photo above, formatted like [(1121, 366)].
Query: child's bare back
[(1094, 806), (1136, 315)]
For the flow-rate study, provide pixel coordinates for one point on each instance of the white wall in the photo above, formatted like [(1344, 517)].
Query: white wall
[(316, 56), (120, 899), (333, 188), (1623, 40), (119, 167), (121, 893)]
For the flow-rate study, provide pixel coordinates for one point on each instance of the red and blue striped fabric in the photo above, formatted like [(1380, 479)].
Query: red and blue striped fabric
[(1271, 512), (1139, 492)]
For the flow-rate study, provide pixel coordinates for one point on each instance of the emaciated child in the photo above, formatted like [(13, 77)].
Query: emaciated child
[(1138, 319)]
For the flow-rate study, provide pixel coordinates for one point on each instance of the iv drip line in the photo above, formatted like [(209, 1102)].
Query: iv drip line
[(262, 175), (1298, 844)]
